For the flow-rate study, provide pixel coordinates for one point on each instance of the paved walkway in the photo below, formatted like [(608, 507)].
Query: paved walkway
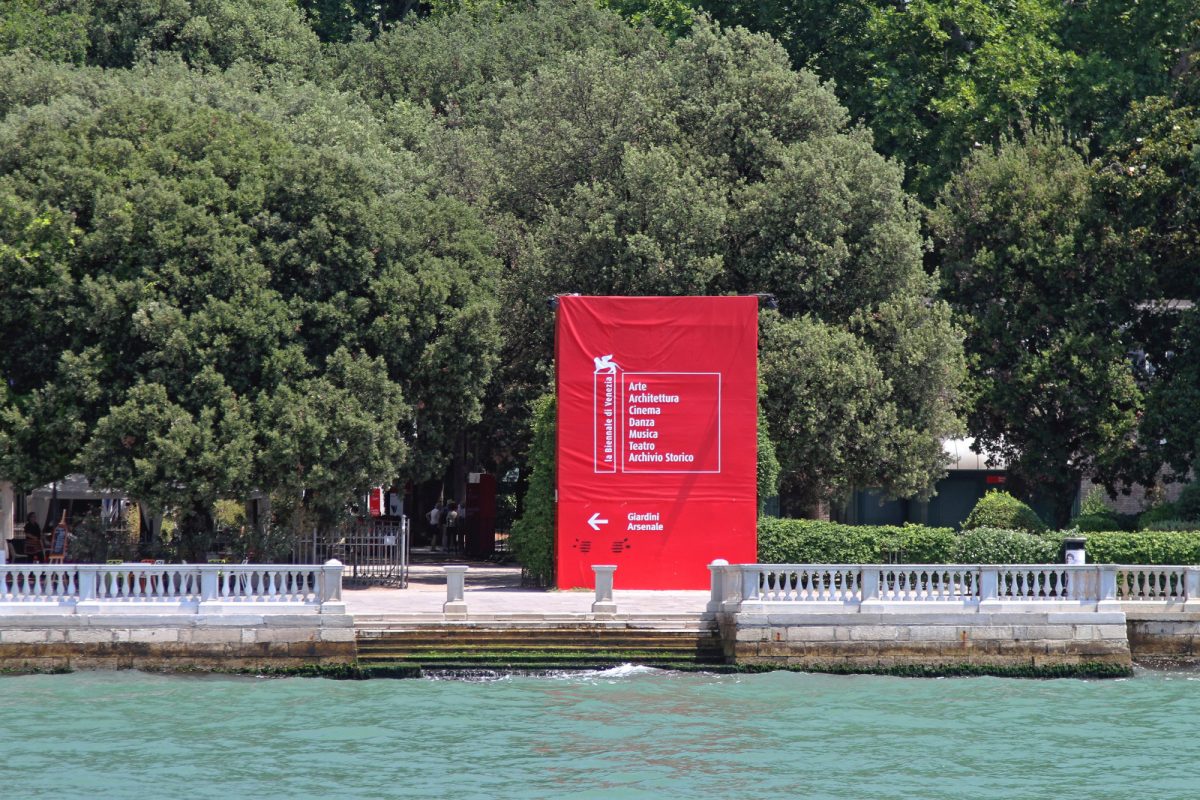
[(495, 592)]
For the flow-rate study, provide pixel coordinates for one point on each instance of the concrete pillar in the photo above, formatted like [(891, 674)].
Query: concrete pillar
[(604, 589), (716, 578), (456, 581)]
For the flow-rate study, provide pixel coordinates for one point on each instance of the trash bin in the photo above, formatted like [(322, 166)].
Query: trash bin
[(1074, 551)]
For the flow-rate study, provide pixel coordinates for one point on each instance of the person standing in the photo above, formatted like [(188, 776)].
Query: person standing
[(451, 538), (435, 517)]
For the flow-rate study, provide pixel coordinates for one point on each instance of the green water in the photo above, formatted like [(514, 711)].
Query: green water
[(620, 734)]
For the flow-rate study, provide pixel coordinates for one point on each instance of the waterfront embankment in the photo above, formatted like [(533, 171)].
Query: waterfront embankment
[(945, 619)]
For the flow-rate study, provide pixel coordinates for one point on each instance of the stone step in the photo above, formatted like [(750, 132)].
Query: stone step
[(536, 635), (525, 621), (559, 647), (533, 660)]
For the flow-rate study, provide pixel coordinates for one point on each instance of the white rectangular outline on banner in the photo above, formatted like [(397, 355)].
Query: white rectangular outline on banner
[(625, 429), (596, 470)]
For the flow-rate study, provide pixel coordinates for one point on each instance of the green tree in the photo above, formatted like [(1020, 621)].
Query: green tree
[(202, 32), (706, 165), (532, 535), (1148, 185), (232, 289), (53, 29), (1053, 391)]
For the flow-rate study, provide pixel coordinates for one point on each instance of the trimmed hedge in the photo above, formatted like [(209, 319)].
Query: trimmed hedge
[(810, 541), (1144, 547), (806, 541), (1001, 510), (1000, 546)]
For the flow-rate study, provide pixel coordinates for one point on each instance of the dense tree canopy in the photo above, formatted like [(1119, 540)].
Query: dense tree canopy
[(706, 165), (281, 230), (221, 295)]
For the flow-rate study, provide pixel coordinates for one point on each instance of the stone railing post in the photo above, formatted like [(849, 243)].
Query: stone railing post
[(716, 579), (869, 583), (1191, 584), (989, 584), (1108, 582), (85, 581), (331, 581), (208, 584), (750, 580), (1107, 599), (456, 581), (604, 604)]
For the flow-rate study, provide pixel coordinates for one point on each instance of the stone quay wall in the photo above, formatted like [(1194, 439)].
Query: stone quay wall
[(175, 642), (1025, 638), (1170, 636), (870, 616)]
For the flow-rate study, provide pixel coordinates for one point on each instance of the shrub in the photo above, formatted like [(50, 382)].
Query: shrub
[(1188, 504), (1096, 522), (1001, 510), (1174, 525), (810, 541), (1094, 502), (1159, 513), (532, 536), (1144, 547), (1001, 546)]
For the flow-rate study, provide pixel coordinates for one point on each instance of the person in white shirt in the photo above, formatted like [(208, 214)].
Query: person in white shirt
[(434, 516)]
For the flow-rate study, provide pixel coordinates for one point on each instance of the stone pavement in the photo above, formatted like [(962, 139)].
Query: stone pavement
[(494, 592)]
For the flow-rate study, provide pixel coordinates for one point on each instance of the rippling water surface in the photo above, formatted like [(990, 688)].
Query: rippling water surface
[(616, 734)]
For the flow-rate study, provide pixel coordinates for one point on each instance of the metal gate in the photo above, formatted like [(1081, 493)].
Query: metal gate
[(374, 552)]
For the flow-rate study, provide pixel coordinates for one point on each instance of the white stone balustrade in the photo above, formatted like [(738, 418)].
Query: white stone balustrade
[(822, 587), (171, 588)]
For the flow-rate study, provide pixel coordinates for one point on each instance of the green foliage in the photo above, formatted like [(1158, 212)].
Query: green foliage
[(532, 535), (804, 541), (202, 32), (672, 16), (998, 509), (1095, 502), (944, 74), (767, 468), (55, 30), (991, 545), (1050, 379), (615, 161), (1159, 513), (1188, 502), (213, 288), (1096, 522), (931, 78), (1144, 547), (1174, 525)]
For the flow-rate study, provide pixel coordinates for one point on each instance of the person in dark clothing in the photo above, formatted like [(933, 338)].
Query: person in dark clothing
[(33, 538)]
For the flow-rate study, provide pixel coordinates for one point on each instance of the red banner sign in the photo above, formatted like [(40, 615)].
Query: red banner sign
[(657, 437)]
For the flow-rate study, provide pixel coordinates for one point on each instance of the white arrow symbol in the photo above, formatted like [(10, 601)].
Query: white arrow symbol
[(596, 522)]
